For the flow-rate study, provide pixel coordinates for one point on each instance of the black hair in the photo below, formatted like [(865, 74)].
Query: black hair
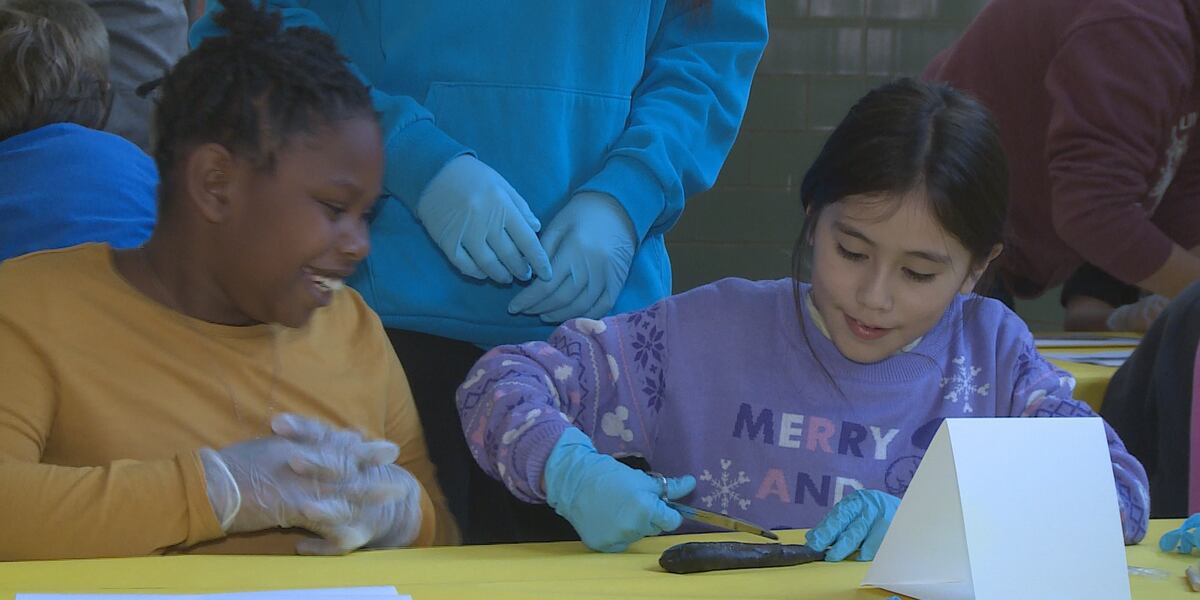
[(904, 136), (910, 135), (251, 90)]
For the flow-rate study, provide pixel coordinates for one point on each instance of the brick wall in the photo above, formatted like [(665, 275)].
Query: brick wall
[(823, 55)]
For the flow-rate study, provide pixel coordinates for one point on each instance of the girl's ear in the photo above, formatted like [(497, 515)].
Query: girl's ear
[(979, 269), (208, 177)]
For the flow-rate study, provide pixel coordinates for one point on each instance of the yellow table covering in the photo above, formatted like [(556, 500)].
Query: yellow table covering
[(1091, 381), (502, 572)]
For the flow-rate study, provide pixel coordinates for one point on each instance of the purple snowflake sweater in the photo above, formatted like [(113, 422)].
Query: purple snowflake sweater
[(725, 383)]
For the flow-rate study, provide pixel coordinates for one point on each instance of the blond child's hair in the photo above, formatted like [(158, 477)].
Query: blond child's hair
[(54, 65)]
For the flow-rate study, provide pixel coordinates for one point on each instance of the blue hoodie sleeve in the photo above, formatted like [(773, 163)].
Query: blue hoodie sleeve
[(414, 148), (686, 111)]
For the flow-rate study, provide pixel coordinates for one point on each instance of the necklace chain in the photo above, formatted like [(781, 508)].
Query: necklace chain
[(177, 307)]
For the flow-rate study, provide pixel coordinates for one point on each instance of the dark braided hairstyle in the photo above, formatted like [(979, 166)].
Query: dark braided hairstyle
[(251, 90)]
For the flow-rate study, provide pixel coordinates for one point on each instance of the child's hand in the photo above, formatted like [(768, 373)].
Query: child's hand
[(609, 504), (311, 475), (860, 519), (1184, 539)]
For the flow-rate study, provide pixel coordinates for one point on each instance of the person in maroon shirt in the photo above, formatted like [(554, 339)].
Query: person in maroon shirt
[(1097, 105)]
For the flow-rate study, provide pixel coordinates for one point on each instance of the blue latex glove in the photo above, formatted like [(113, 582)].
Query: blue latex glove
[(1184, 539), (860, 519), (609, 504), (591, 242), (481, 223)]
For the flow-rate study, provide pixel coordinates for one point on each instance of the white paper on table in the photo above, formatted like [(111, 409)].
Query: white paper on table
[(351, 593), (1085, 341), (1106, 358), (1008, 508)]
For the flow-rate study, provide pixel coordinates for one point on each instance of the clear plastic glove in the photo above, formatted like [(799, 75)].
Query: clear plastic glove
[(591, 242), (390, 516), (859, 521), (391, 522), (329, 488), (1139, 315), (1184, 539), (481, 223), (609, 504)]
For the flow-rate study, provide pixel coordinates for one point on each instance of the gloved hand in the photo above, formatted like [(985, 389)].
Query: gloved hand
[(860, 519), (388, 517), (328, 488), (609, 504), (481, 223), (1184, 539), (591, 242), (1139, 315), (389, 521)]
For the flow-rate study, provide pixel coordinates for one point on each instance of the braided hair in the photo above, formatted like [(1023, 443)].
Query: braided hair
[(251, 90)]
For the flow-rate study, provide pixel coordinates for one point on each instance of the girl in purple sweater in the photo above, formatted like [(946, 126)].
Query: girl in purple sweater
[(785, 403)]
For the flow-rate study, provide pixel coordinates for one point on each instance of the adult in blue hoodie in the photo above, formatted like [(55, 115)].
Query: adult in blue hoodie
[(590, 122)]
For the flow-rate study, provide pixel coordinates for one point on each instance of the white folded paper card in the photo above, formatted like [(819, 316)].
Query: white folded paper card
[(1008, 508)]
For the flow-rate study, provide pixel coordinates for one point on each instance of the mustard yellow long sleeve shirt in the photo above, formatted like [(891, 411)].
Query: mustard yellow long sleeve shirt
[(106, 396)]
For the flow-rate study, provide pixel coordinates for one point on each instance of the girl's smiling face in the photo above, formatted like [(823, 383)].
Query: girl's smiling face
[(884, 271)]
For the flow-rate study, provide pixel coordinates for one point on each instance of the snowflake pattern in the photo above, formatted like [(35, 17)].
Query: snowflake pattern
[(648, 346), (655, 389), (725, 488), (648, 351), (961, 384), (642, 318)]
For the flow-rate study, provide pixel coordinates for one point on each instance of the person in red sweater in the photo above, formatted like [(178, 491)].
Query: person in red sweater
[(1097, 104)]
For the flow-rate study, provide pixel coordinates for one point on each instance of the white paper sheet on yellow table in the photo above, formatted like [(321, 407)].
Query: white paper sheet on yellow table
[(352, 593), (1008, 508), (1104, 358), (1084, 341)]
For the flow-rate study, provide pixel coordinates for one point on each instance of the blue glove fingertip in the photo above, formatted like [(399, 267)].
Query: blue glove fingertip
[(818, 539), (1169, 541), (520, 303), (848, 541), (665, 519), (678, 487)]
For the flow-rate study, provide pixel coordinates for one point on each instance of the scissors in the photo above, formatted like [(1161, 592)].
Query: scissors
[(711, 518)]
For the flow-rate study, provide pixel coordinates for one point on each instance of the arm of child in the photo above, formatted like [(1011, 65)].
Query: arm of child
[(124, 508), (518, 406), (518, 400), (1043, 390)]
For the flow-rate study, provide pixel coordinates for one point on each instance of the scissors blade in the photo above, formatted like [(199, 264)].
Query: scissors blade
[(720, 520)]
